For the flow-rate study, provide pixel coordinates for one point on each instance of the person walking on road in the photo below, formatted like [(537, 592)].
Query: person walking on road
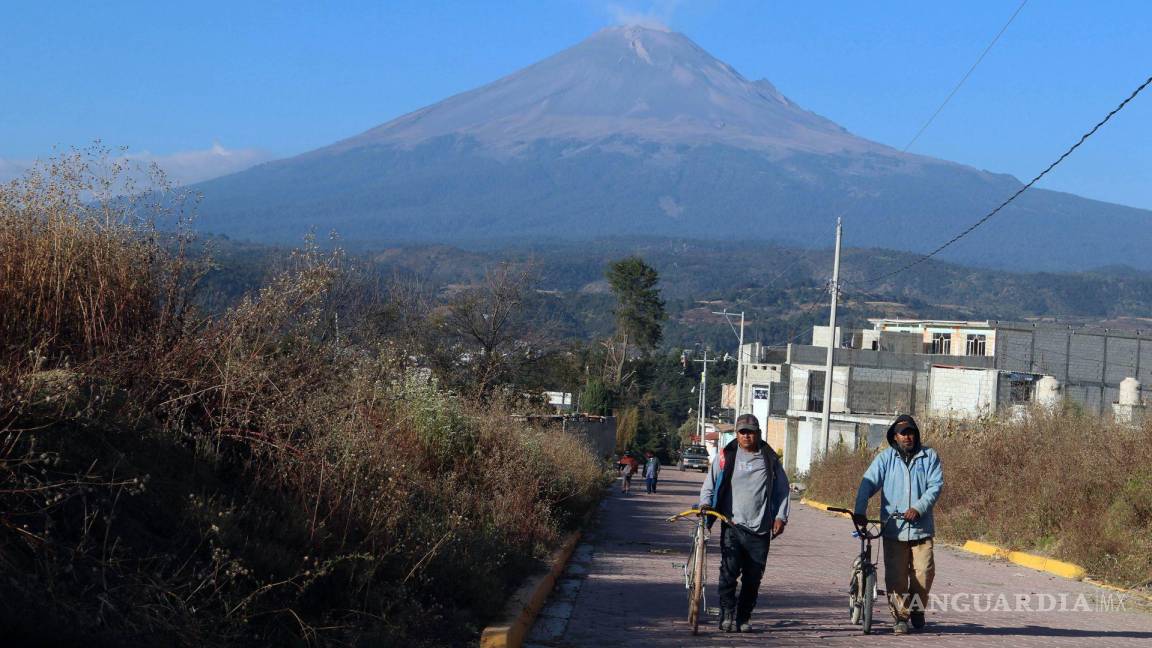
[(627, 469), (747, 484), (651, 472), (909, 478)]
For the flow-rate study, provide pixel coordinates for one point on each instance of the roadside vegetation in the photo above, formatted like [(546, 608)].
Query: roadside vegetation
[(292, 469), (1066, 484)]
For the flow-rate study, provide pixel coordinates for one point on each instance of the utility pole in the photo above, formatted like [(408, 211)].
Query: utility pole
[(703, 399), (739, 406), (833, 342)]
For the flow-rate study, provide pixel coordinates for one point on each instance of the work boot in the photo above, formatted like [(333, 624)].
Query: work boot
[(742, 623), (727, 620), (900, 628), (918, 620)]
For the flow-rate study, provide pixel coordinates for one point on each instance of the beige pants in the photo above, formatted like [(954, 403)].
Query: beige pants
[(908, 571)]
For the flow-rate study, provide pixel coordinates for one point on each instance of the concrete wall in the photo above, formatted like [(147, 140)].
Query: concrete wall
[(1089, 362), (820, 335), (962, 393), (776, 433), (761, 376), (881, 390), (798, 387), (727, 395), (600, 432)]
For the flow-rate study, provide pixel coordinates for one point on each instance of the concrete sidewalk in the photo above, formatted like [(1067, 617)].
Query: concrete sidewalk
[(623, 588)]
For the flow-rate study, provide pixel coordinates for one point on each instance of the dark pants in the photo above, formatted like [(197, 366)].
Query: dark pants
[(742, 556), (650, 484)]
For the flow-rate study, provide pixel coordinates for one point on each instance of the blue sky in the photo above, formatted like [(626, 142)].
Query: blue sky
[(171, 81)]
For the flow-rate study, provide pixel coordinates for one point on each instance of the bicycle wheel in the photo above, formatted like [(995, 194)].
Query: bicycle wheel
[(696, 591), (854, 588), (867, 597)]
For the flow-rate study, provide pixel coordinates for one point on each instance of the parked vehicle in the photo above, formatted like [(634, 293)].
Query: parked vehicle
[(694, 457)]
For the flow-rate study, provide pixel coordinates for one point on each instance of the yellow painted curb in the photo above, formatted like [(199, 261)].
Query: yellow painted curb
[(822, 506), (984, 549), (1031, 561), (1050, 565), (525, 604)]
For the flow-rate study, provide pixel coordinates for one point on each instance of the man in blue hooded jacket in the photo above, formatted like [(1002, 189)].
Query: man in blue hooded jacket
[(909, 479)]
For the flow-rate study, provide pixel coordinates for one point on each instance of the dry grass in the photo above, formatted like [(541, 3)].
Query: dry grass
[(273, 476), (1069, 485), (80, 277)]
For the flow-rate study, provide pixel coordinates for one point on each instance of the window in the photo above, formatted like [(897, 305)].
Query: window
[(976, 345), (816, 391), (1021, 391), (759, 393), (941, 343)]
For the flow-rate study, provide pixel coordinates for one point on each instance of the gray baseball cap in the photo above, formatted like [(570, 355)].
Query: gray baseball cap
[(747, 422)]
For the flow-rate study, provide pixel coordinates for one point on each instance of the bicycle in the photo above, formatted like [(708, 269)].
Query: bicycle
[(696, 568), (862, 590)]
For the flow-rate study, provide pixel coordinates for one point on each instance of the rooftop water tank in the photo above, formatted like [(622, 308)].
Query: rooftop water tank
[(1048, 392), (1129, 391)]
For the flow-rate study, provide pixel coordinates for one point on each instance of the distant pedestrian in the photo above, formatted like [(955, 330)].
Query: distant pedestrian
[(651, 472), (909, 479), (747, 484), (628, 468)]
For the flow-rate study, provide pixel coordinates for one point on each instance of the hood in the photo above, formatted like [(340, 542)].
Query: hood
[(892, 433)]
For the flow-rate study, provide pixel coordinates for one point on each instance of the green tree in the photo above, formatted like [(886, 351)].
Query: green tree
[(687, 432), (596, 399), (639, 310), (627, 423)]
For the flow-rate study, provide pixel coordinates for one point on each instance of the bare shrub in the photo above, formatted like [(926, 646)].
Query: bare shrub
[(275, 475), (82, 275)]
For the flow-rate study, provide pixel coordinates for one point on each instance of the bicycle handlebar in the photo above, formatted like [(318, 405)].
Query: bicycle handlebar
[(695, 512), (862, 529), (847, 512)]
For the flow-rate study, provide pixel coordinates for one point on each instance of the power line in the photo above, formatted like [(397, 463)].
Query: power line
[(1026, 187), (963, 79)]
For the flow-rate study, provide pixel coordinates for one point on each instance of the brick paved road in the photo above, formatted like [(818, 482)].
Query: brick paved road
[(622, 588)]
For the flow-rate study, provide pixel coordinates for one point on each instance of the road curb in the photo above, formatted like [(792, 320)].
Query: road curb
[(1032, 561), (822, 506), (525, 604)]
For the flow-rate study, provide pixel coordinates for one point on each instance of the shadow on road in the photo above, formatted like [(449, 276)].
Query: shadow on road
[(945, 628)]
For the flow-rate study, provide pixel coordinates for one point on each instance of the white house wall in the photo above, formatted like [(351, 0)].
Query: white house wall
[(962, 393)]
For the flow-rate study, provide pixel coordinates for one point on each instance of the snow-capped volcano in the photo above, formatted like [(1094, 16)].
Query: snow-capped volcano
[(639, 131), (622, 81)]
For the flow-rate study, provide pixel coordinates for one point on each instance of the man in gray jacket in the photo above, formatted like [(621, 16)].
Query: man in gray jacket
[(747, 484)]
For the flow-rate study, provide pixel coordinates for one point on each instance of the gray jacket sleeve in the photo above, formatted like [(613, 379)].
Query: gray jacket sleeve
[(709, 485), (780, 492)]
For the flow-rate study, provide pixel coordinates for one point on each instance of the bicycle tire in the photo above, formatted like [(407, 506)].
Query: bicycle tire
[(854, 588), (867, 598), (696, 591)]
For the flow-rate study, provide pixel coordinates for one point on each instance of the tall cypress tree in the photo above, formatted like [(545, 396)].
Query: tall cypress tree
[(639, 311)]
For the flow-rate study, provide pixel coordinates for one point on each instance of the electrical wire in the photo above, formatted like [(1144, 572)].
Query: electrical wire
[(963, 79), (984, 219)]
